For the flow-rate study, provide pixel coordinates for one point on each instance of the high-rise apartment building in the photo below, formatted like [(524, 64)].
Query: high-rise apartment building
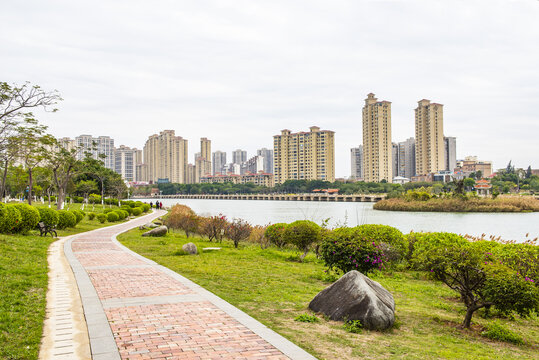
[(395, 158), (429, 137), (205, 148), (377, 147), (239, 156), (203, 159), (255, 165), (125, 162), (166, 157), (304, 155), (450, 144), (356, 155), (267, 154), (218, 161), (406, 158), (96, 147)]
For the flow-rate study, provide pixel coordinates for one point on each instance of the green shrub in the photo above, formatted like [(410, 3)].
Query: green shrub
[(302, 234), (91, 215), (383, 234), (29, 218), (421, 242), (523, 258), (496, 331), (145, 207), (306, 318), (353, 326), (106, 211), (127, 208), (78, 199), (347, 249), (79, 214), (10, 218), (122, 214), (101, 218), (48, 216), (136, 211), (274, 233), (112, 216), (66, 219)]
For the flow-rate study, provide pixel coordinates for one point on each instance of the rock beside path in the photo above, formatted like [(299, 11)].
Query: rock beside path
[(158, 231), (190, 248), (356, 297)]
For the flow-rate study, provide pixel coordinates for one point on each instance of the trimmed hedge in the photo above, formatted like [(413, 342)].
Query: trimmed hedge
[(274, 233), (48, 216), (66, 219), (91, 215), (79, 214), (112, 216), (101, 218), (10, 218), (137, 211), (29, 218)]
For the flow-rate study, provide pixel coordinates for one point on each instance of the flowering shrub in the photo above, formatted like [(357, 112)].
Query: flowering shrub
[(523, 258), (238, 230), (478, 276), (214, 227), (395, 247), (274, 233), (346, 249), (182, 217), (302, 234)]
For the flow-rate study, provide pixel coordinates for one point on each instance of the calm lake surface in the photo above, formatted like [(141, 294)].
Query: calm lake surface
[(507, 225)]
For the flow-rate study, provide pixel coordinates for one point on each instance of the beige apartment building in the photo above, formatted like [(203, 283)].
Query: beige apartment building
[(377, 146), (166, 157), (304, 155), (429, 138), (260, 179)]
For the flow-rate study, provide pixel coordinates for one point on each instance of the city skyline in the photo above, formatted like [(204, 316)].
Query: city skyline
[(253, 69)]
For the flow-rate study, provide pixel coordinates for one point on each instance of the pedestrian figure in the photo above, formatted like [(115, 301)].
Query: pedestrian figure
[(151, 205)]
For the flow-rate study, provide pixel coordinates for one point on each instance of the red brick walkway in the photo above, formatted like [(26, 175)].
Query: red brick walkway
[(154, 314)]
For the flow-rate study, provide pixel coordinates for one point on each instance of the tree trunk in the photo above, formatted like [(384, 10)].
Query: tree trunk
[(469, 313), (303, 255), (4, 177), (30, 185)]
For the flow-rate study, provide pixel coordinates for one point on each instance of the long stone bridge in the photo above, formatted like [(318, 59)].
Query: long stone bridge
[(281, 197)]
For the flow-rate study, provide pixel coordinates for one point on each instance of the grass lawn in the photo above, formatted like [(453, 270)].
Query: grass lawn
[(23, 288), (274, 288)]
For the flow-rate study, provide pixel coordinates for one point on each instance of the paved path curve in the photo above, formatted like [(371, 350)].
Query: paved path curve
[(137, 309)]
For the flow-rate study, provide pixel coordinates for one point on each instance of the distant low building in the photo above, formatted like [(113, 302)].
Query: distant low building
[(400, 180), (483, 187)]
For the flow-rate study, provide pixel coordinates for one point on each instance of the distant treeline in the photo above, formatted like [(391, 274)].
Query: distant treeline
[(289, 186)]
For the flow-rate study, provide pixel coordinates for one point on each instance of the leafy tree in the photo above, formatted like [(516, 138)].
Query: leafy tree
[(64, 166), (302, 234), (529, 172), (86, 187), (476, 275), (15, 105), (469, 183)]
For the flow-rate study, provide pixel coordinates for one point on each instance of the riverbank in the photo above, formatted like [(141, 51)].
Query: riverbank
[(502, 204)]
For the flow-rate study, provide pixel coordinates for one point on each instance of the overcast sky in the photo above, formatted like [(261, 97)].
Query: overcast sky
[(238, 72)]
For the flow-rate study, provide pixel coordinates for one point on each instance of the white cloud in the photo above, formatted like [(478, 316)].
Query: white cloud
[(239, 72)]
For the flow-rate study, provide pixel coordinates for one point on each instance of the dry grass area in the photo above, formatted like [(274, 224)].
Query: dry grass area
[(273, 287), (501, 204)]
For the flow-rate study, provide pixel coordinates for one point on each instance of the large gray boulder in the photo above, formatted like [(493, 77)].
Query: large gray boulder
[(158, 231), (190, 248), (356, 297)]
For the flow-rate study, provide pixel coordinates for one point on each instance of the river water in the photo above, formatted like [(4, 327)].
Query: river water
[(510, 226)]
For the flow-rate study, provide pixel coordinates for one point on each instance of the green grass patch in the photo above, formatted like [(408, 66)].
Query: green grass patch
[(23, 288), (273, 287), (307, 318), (497, 331)]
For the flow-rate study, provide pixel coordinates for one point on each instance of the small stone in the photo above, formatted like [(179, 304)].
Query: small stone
[(142, 227), (356, 297), (151, 225), (159, 231), (190, 248)]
